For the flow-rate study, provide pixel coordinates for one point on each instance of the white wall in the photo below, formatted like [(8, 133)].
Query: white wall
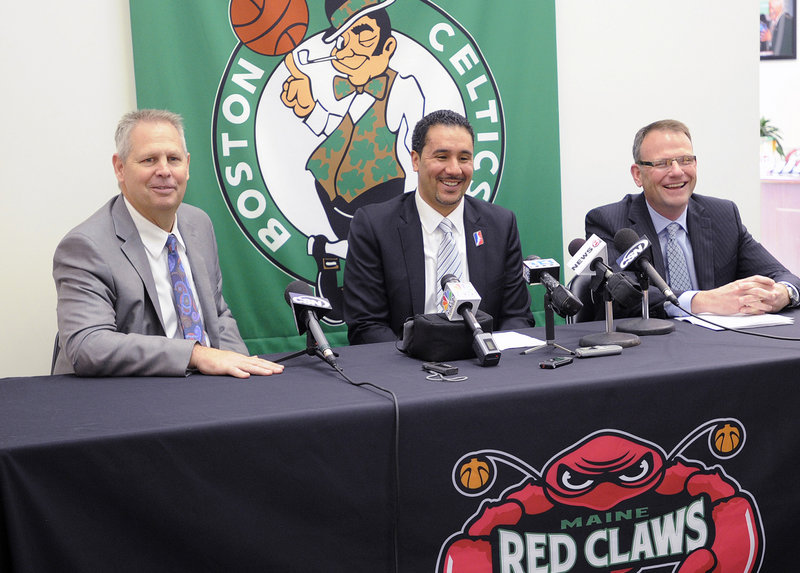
[(626, 63), (780, 84), (67, 70), (622, 64)]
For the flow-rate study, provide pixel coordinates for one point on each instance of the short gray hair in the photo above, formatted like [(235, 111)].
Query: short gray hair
[(660, 125), (122, 137)]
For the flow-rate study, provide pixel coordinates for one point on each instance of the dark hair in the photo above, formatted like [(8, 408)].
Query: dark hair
[(440, 117), (660, 125), (385, 28)]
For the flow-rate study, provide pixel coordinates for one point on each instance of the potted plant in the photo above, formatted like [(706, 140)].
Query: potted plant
[(771, 133)]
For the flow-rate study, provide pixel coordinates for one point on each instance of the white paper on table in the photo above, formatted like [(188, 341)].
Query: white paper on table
[(739, 320), (509, 339)]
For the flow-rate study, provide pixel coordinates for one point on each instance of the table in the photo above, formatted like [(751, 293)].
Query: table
[(296, 472)]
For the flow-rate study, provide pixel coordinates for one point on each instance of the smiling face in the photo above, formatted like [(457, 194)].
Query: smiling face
[(355, 51), (775, 9), (667, 190), (154, 174), (444, 166)]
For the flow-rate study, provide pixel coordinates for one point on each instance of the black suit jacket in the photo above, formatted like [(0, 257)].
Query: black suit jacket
[(384, 275), (723, 249), (782, 38)]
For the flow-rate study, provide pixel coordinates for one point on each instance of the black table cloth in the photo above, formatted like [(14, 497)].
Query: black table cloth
[(296, 472)]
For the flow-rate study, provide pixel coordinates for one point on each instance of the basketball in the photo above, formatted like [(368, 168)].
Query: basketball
[(474, 474), (727, 438), (270, 27)]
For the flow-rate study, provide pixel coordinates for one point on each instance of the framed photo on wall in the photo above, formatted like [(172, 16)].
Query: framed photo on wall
[(778, 29)]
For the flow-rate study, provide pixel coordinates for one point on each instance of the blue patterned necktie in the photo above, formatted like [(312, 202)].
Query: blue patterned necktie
[(448, 260), (676, 262), (185, 303)]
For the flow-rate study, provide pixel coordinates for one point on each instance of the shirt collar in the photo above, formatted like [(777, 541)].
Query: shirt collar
[(430, 217), (154, 238), (660, 222)]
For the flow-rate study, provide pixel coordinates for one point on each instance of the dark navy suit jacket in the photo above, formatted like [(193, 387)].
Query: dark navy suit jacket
[(384, 275), (723, 249)]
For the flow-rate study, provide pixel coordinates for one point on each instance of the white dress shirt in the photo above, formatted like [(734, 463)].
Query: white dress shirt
[(660, 223), (431, 238), (154, 239)]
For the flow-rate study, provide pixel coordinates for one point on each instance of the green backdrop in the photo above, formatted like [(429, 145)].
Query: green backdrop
[(184, 49)]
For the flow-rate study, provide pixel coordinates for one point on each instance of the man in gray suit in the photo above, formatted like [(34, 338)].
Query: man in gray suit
[(723, 269), (118, 314)]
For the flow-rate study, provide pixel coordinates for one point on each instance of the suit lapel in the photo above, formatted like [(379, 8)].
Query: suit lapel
[(476, 255), (133, 249), (700, 235), (643, 225), (413, 253)]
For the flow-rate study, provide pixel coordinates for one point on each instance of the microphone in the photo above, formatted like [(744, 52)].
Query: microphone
[(536, 270), (457, 295), (588, 257), (636, 253), (461, 297), (308, 309)]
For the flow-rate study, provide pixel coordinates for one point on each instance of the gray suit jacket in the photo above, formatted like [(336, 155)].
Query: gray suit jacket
[(384, 276), (723, 249), (109, 319)]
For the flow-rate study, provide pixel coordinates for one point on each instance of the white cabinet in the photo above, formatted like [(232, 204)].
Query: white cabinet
[(780, 219)]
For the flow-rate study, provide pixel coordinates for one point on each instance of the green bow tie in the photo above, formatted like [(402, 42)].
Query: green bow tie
[(376, 87)]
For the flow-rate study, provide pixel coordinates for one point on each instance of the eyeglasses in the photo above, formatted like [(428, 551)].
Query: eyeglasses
[(683, 161)]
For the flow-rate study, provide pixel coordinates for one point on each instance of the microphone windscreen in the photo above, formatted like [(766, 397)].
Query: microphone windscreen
[(297, 287), (448, 278), (624, 239), (575, 246)]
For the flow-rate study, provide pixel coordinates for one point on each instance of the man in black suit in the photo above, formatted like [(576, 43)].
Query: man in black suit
[(729, 272), (391, 268), (778, 37)]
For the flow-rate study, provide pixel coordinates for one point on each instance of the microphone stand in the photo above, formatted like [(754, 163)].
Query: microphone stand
[(645, 326), (311, 350), (549, 327), (623, 339)]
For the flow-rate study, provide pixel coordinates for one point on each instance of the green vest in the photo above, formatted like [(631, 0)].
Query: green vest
[(356, 157)]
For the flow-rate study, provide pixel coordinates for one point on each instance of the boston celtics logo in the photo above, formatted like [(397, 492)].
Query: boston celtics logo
[(314, 116)]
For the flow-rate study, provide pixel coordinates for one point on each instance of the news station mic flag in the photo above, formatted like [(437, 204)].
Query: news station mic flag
[(259, 169), (590, 258)]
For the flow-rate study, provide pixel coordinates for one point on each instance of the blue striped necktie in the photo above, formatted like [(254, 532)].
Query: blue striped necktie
[(185, 303), (448, 260)]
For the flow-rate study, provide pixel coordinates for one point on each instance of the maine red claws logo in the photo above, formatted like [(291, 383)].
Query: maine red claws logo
[(611, 502), (603, 471)]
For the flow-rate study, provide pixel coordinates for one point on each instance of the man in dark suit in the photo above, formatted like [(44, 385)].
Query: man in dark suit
[(780, 35), (725, 270), (117, 278), (392, 258)]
